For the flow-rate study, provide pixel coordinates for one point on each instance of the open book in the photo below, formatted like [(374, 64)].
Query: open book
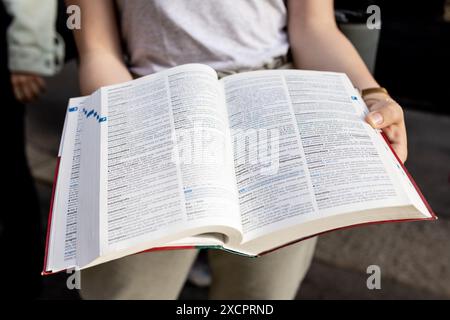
[(248, 164)]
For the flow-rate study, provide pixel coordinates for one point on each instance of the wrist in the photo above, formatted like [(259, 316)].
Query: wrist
[(374, 94), (373, 90)]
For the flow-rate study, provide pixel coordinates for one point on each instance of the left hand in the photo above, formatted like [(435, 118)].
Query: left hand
[(27, 87), (386, 114)]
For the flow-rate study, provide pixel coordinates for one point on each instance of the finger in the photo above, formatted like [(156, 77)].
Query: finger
[(384, 114), (40, 82), (18, 93), (35, 89), (27, 93), (391, 133), (397, 137), (401, 151)]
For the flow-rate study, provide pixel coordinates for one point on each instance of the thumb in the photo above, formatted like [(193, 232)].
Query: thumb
[(385, 115)]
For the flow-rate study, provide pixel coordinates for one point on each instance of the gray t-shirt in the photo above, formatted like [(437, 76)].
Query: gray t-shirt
[(225, 34)]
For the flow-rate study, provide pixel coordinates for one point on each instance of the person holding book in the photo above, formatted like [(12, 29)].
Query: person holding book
[(230, 37)]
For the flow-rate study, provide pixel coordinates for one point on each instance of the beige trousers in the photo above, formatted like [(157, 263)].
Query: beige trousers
[(161, 274)]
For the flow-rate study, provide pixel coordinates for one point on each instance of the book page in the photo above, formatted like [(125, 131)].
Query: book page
[(90, 187), (63, 237), (70, 242), (348, 166), (204, 145), (151, 196), (329, 160), (272, 177)]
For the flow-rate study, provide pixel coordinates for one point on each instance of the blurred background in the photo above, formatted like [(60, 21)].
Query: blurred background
[(409, 56)]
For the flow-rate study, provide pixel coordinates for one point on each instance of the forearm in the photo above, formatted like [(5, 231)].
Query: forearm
[(98, 42), (329, 50), (99, 69)]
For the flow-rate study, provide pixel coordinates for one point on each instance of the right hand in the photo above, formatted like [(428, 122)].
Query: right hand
[(27, 87), (387, 115)]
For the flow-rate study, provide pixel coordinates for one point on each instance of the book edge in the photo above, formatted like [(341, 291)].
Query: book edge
[(50, 217), (411, 179), (346, 227)]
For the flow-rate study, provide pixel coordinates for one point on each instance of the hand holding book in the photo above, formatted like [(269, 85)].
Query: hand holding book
[(387, 115)]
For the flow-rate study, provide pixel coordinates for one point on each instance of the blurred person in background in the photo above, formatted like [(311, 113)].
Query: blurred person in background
[(29, 50), (230, 36)]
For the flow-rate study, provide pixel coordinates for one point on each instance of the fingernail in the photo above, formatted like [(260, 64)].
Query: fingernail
[(376, 118)]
